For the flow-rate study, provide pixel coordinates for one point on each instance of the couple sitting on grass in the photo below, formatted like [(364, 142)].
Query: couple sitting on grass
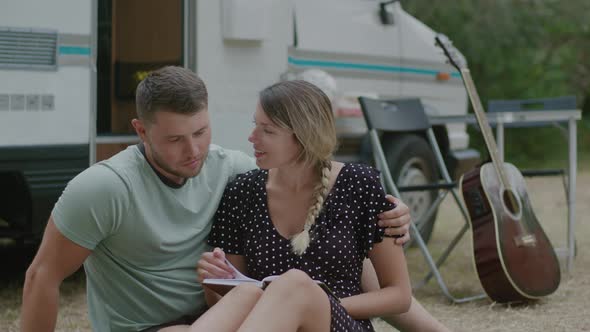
[(145, 220)]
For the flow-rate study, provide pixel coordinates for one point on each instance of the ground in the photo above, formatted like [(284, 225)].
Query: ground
[(565, 310)]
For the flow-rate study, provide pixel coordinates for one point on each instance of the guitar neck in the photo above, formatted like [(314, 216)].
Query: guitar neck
[(484, 125)]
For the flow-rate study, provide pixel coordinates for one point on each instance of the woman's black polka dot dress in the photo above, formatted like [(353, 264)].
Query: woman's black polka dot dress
[(342, 236)]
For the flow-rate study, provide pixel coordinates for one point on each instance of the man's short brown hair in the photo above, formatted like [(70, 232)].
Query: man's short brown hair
[(174, 89)]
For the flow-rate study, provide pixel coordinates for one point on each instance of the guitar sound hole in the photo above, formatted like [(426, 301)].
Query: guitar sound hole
[(511, 202)]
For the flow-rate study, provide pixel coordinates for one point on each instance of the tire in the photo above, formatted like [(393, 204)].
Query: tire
[(412, 162)]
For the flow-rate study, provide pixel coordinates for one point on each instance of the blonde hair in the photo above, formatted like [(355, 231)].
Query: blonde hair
[(303, 108)]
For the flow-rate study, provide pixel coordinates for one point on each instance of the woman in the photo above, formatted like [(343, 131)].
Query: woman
[(302, 216)]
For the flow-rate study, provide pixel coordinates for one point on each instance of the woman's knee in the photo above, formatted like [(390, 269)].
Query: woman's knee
[(294, 282), (302, 295), (248, 290), (295, 277)]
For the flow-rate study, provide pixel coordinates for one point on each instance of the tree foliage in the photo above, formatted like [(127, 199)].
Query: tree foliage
[(520, 49)]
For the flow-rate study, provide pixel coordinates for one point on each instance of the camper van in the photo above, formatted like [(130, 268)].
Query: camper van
[(69, 69)]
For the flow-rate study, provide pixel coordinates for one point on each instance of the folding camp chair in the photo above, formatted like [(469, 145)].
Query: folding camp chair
[(408, 116)]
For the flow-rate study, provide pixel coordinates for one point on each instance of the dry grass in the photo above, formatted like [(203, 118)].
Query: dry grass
[(565, 310)]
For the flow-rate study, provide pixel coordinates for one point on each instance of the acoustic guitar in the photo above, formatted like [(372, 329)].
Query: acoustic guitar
[(514, 259)]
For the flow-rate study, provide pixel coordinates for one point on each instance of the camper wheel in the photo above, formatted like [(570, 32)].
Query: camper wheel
[(413, 163)]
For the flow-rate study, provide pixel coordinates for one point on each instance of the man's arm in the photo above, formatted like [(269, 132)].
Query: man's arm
[(57, 258), (396, 221)]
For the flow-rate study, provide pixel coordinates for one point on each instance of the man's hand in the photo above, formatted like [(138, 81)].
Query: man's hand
[(212, 265), (396, 221)]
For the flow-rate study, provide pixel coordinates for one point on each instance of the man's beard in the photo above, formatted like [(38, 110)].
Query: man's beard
[(168, 169)]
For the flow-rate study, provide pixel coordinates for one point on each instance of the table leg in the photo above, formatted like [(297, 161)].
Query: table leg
[(572, 170)]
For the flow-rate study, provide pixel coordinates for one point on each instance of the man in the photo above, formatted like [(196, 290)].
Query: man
[(139, 221)]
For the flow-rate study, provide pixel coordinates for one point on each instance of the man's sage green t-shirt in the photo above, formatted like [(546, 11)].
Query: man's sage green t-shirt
[(146, 237)]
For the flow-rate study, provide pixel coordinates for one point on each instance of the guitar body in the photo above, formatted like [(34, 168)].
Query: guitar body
[(509, 270)]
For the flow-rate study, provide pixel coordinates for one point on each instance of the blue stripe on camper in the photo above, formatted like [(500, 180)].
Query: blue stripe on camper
[(74, 50), (364, 66)]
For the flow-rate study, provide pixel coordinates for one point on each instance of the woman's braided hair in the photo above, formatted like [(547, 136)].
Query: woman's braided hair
[(301, 241), (303, 108)]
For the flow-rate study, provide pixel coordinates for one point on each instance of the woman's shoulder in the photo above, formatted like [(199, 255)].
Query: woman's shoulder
[(359, 172), (248, 181)]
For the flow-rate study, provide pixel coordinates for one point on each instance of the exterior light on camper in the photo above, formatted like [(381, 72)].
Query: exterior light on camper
[(443, 76)]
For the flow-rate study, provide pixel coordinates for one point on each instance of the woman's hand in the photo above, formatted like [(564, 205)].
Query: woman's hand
[(396, 221), (213, 265)]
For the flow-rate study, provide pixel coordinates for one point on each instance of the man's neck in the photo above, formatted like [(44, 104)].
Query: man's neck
[(166, 180)]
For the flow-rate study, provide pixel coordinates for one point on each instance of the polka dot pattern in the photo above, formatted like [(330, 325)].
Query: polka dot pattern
[(342, 236)]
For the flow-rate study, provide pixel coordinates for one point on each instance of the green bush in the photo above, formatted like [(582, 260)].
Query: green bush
[(522, 49)]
